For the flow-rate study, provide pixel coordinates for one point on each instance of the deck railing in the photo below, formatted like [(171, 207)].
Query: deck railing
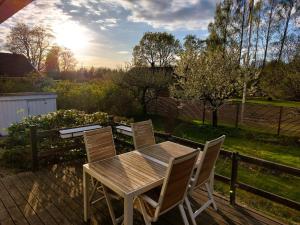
[(235, 158)]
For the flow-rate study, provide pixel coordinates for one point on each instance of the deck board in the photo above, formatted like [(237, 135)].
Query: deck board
[(53, 196)]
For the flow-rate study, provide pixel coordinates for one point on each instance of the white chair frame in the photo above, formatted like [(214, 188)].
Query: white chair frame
[(208, 183), (157, 205), (100, 188)]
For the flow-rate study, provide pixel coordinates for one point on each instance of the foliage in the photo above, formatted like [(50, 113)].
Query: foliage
[(281, 81), (212, 76), (17, 153), (30, 83), (156, 49), (33, 42), (145, 83), (95, 96)]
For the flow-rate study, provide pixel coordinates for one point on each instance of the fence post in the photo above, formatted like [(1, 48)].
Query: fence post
[(203, 114), (34, 148), (234, 175), (279, 120)]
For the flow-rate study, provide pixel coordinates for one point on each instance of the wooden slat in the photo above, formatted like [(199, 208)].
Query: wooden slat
[(64, 182), (34, 202)]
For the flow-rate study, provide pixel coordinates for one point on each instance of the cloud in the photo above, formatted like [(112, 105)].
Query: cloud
[(172, 14), (123, 52)]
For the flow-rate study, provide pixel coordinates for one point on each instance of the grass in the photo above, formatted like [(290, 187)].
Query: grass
[(271, 102), (280, 149)]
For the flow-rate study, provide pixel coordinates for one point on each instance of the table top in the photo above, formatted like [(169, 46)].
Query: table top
[(137, 171)]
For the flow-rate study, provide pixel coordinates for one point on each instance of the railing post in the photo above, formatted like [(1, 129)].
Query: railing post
[(279, 120), (34, 148), (234, 175), (237, 115)]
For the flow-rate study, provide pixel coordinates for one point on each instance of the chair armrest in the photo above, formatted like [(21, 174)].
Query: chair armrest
[(150, 201)]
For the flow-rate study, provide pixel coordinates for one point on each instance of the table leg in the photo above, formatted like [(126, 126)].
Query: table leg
[(128, 210), (86, 205)]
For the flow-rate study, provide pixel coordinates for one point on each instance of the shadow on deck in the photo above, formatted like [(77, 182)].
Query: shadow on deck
[(54, 196)]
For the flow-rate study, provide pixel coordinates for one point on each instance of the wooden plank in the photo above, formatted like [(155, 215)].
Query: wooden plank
[(13, 210), (21, 202), (58, 199), (33, 201), (75, 210), (46, 200), (5, 218)]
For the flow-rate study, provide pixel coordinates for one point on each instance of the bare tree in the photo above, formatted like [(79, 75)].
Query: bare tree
[(31, 42), (272, 5), (290, 5), (67, 61)]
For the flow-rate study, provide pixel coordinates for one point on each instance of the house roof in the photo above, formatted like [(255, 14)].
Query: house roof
[(9, 7), (14, 65)]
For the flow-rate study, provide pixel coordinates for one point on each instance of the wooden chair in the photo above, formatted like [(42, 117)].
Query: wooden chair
[(204, 176), (100, 145), (156, 202), (143, 134)]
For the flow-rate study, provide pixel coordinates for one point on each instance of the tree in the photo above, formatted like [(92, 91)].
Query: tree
[(52, 60), (67, 61), (33, 42), (272, 6), (156, 49), (257, 21), (286, 4), (213, 77), (145, 83)]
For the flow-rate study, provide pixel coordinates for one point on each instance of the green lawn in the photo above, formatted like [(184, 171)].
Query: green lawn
[(279, 149), (271, 102)]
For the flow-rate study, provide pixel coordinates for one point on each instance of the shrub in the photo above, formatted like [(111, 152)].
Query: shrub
[(17, 144), (95, 96)]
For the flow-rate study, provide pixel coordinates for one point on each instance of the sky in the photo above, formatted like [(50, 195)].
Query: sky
[(102, 33)]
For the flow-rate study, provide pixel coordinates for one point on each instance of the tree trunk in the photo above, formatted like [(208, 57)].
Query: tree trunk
[(285, 30), (257, 37), (247, 61), (242, 32), (215, 117), (268, 33)]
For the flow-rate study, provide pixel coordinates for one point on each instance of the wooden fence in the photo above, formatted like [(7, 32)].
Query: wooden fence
[(267, 118), (235, 158)]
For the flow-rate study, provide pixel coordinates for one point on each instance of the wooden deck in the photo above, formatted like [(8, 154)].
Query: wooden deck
[(54, 196)]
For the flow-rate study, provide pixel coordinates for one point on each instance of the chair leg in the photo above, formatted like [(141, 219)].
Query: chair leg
[(183, 214), (210, 196), (110, 208), (190, 210), (144, 213)]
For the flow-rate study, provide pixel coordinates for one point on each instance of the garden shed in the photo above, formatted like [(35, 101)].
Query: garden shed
[(16, 106)]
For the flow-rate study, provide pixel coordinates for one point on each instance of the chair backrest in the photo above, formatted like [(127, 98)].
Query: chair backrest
[(208, 160), (176, 182), (143, 135), (99, 144)]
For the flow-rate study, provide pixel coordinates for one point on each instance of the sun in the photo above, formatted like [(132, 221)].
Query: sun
[(71, 35)]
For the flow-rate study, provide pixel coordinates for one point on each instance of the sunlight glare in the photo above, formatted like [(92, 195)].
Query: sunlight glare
[(71, 35)]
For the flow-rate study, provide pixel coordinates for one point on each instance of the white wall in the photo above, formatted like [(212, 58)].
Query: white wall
[(15, 109)]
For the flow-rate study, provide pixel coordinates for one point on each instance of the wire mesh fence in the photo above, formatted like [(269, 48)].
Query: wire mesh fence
[(265, 118)]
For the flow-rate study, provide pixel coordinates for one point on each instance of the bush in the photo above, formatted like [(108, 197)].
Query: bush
[(95, 96), (30, 83), (17, 144)]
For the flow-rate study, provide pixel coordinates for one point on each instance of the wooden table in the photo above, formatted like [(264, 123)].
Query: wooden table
[(132, 173)]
